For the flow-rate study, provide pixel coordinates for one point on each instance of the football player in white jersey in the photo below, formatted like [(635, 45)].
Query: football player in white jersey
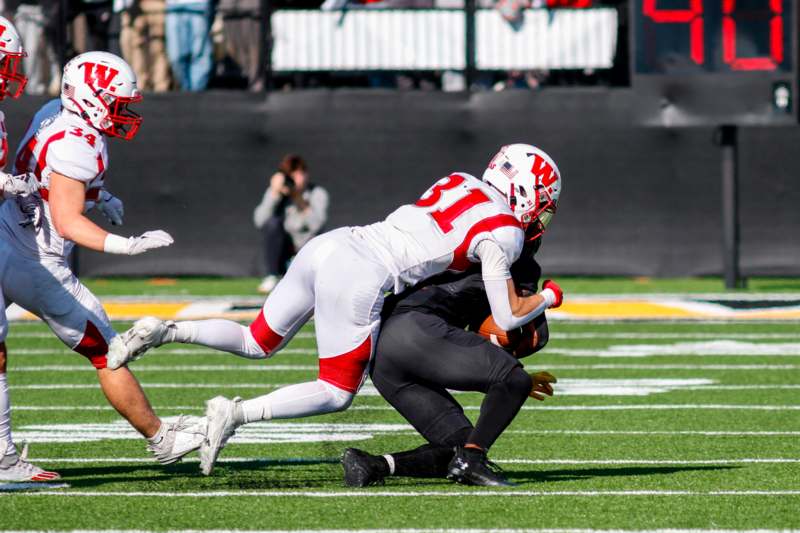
[(65, 149), (13, 465), (342, 276)]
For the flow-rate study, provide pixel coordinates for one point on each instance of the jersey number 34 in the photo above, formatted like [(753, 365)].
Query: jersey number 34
[(444, 216)]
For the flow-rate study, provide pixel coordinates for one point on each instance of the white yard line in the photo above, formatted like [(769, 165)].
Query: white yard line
[(652, 433), (171, 368), (432, 530), (394, 494), (234, 460), (161, 351), (688, 335), (269, 367), (645, 461), (568, 387), (615, 366), (643, 407)]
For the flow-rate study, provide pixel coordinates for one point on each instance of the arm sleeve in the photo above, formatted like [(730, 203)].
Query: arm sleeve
[(264, 210), (495, 271), (497, 293), (494, 263)]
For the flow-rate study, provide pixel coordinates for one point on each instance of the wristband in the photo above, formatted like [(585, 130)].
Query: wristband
[(116, 244), (549, 297)]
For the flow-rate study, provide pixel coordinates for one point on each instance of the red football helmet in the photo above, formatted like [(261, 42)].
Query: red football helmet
[(12, 80)]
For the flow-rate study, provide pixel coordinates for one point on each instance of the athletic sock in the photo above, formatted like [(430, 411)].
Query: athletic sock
[(224, 335), (500, 406), (430, 460), (294, 401), (5, 412), (162, 431)]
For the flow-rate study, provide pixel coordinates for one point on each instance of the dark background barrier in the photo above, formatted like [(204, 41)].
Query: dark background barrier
[(636, 201)]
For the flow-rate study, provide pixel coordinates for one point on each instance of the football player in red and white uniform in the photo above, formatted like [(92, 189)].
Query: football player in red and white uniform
[(65, 149), (13, 465), (342, 276)]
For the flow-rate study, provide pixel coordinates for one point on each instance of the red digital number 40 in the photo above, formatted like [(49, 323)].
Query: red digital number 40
[(693, 16)]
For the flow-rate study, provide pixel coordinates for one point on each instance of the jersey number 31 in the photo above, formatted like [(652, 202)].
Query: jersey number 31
[(444, 217)]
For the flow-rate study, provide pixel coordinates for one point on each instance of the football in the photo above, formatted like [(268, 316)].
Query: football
[(500, 337)]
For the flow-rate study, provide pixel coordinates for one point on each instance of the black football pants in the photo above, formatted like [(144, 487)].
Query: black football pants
[(419, 356)]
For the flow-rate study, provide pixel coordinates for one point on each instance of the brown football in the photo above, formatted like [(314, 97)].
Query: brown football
[(526, 345), (500, 337)]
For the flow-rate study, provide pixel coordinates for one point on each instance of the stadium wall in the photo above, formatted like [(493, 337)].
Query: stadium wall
[(637, 201)]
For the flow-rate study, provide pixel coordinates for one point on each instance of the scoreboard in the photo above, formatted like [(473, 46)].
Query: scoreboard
[(714, 62)]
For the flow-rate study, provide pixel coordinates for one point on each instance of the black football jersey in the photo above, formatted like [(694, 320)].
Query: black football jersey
[(460, 298)]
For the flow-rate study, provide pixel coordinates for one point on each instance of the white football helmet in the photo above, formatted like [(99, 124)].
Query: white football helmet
[(99, 86), (530, 181), (12, 80)]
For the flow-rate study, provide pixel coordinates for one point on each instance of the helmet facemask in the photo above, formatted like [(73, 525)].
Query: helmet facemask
[(12, 80), (536, 219), (122, 122)]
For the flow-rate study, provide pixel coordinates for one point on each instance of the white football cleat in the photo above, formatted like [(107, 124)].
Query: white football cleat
[(179, 438), (221, 427), (148, 332), (15, 467)]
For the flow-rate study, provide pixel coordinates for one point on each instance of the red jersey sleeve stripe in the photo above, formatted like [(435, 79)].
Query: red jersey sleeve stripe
[(41, 163), (460, 261)]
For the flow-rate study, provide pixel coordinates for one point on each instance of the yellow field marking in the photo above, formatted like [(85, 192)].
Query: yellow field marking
[(130, 310), (623, 309)]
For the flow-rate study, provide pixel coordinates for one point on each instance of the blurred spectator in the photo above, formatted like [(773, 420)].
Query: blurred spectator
[(517, 79), (292, 212), (37, 21), (142, 42), (97, 14), (188, 26), (242, 28)]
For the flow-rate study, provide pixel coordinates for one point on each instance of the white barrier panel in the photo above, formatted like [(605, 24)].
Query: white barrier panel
[(435, 40), (557, 39), (368, 40)]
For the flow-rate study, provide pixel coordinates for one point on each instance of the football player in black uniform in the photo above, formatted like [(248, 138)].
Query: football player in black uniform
[(422, 351)]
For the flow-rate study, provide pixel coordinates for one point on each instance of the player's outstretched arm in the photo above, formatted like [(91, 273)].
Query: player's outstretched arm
[(67, 198), (510, 309)]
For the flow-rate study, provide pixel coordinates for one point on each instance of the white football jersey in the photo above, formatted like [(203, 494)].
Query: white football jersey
[(442, 229), (56, 141)]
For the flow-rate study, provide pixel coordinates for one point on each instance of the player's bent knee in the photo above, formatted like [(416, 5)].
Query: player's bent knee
[(93, 346), (252, 348), (266, 338), (2, 357), (338, 399), (518, 382)]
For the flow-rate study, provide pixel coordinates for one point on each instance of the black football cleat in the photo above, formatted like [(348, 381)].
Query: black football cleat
[(470, 466), (362, 469)]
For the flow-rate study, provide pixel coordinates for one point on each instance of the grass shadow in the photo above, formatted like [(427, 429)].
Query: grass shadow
[(574, 474)]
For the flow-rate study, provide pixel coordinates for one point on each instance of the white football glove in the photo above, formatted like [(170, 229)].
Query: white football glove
[(18, 185), (111, 207), (148, 240)]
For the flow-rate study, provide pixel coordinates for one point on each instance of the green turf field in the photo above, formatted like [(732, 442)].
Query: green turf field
[(696, 433)]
